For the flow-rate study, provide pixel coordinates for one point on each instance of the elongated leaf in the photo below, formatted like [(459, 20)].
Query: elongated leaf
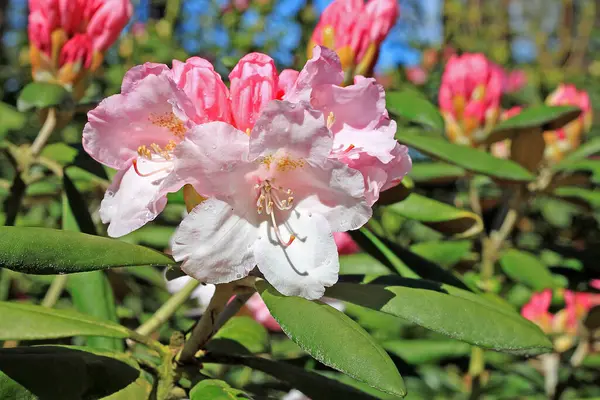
[(426, 351), (9, 389), (439, 216), (585, 196), (90, 291), (542, 116), (214, 389), (319, 329), (314, 385), (527, 269), (53, 372), (394, 195), (457, 317), (446, 254), (413, 106), (587, 149), (361, 263), (42, 95), (30, 322), (242, 331), (435, 172), (466, 157), (592, 167), (50, 251)]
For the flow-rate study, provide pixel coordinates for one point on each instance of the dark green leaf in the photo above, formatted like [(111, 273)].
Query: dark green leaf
[(42, 95), (394, 195), (319, 329), (214, 389), (439, 216), (431, 306), (413, 106), (578, 195), (466, 157), (52, 372), (542, 116), (242, 331), (446, 254), (527, 269), (9, 389), (315, 386), (12, 120), (30, 322), (433, 172), (361, 263), (592, 167), (50, 251)]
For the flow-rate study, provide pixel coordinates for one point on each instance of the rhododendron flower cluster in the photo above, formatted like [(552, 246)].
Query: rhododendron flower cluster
[(566, 139), (469, 97), (355, 30), (280, 162), (563, 325), (69, 37)]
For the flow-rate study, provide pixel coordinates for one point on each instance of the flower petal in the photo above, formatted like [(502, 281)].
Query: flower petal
[(287, 79), (305, 267), (145, 115), (323, 68), (139, 72), (254, 82), (133, 200), (293, 130), (207, 158), (215, 243), (334, 191)]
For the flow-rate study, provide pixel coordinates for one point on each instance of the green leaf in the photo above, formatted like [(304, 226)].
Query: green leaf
[(394, 195), (214, 389), (319, 329), (240, 331), (592, 167), (9, 389), (431, 306), (446, 254), (422, 351), (50, 251), (22, 321), (578, 195), (589, 148), (361, 263), (42, 95), (314, 385), (542, 116), (466, 157), (12, 120), (413, 106), (439, 216), (53, 372), (525, 268), (434, 172), (60, 152), (90, 291)]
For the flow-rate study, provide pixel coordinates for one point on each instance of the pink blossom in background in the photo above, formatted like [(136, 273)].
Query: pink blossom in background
[(595, 283), (416, 75), (502, 149), (93, 25), (260, 313), (355, 30), (513, 81), (566, 139), (536, 310), (345, 244), (469, 97)]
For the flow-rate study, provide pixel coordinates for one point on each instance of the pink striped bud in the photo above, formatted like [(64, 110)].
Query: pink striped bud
[(469, 97), (107, 22), (355, 31), (566, 139)]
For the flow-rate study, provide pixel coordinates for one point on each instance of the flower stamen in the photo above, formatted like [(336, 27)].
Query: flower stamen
[(137, 171), (268, 200)]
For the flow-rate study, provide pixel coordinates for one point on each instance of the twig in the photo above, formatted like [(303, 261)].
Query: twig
[(44, 134), (165, 312), (231, 309)]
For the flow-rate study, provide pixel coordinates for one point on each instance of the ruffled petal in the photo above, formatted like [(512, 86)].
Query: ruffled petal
[(215, 243), (139, 72), (307, 266)]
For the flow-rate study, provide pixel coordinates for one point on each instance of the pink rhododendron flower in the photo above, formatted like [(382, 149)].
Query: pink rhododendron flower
[(275, 199), (345, 244), (416, 75), (566, 139), (595, 283), (469, 97), (514, 81), (355, 31), (59, 30)]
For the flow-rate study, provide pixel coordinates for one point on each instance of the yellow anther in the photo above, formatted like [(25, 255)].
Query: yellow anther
[(330, 120)]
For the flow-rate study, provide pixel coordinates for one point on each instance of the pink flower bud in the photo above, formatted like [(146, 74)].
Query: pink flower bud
[(107, 18), (469, 96), (205, 88), (416, 75), (566, 139), (77, 50), (537, 309), (514, 81), (261, 314), (355, 30), (40, 30), (345, 244), (254, 82)]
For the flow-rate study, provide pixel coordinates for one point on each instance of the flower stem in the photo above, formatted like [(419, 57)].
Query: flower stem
[(44, 134), (205, 328), (168, 309), (54, 291)]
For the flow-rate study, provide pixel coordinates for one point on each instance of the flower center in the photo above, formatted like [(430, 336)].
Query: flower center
[(272, 197)]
